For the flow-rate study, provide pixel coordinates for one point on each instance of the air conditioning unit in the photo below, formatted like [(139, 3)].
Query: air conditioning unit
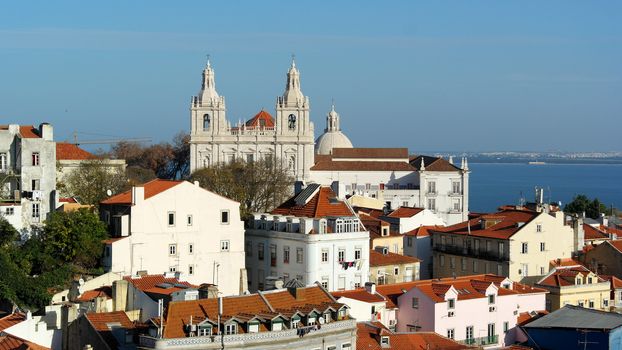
[(450, 314), (492, 308)]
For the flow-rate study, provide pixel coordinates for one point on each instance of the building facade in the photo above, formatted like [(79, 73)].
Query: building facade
[(27, 174), (311, 237), (387, 268), (176, 226), (288, 137)]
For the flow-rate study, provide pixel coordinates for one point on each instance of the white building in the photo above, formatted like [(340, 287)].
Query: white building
[(27, 174), (311, 237), (176, 226), (289, 136), (391, 175)]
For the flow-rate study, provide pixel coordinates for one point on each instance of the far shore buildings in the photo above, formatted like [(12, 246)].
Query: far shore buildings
[(178, 227), (313, 236), (27, 174), (515, 242)]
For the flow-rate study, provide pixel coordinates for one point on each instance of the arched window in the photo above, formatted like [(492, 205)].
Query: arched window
[(206, 121), (291, 122)]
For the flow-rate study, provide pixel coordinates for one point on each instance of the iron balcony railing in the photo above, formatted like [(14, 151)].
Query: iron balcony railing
[(471, 252), (487, 340)]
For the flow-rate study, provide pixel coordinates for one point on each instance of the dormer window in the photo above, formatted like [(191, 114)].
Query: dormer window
[(204, 330), (384, 340), (295, 321), (327, 317), (277, 325), (231, 328), (253, 327), (579, 281), (385, 231)]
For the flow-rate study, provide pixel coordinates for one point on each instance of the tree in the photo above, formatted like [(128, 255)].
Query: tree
[(8, 233), (92, 179), (582, 204), (75, 237), (259, 186)]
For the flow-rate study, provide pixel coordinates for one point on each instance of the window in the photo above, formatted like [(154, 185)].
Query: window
[(539, 228), (357, 253), (451, 303), (542, 246), (35, 184), (384, 340), (591, 303), (172, 269), (589, 280), (491, 299), (325, 282), (205, 331), (341, 255), (541, 270), (488, 246), (432, 187), (441, 259), (189, 220), (524, 248), (224, 216), (231, 328), (324, 255), (250, 158), (299, 255), (171, 218), (501, 248), (4, 164), (346, 346), (206, 121), (396, 270), (224, 246), (524, 270), (581, 303), (190, 270), (260, 251), (415, 303), (253, 327), (469, 333), (273, 255), (291, 122), (432, 204), (506, 326), (35, 158), (450, 333), (286, 255), (172, 249), (452, 262), (409, 241), (36, 210), (463, 263), (456, 204), (260, 279), (605, 303), (474, 265), (190, 248), (491, 332), (499, 269), (455, 187)]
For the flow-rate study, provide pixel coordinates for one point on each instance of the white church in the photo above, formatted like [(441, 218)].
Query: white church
[(391, 176)]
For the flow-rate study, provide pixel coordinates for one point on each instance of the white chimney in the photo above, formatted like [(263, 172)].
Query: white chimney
[(370, 287), (46, 131), (138, 194)]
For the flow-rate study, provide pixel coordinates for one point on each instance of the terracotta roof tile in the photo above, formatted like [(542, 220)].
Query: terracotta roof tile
[(149, 284), (11, 320), (405, 212), (323, 204), (368, 338), (152, 188), (101, 292), (526, 317), (565, 276), (433, 164), (592, 233), (382, 153), (359, 294), (29, 132), (362, 166), (422, 231), (11, 342), (103, 322), (616, 244), (379, 259), (69, 151), (501, 225), (256, 121)]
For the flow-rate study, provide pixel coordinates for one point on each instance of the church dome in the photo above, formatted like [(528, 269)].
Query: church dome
[(329, 140)]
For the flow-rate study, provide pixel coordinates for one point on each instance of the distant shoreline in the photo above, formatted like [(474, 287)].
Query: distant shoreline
[(547, 161)]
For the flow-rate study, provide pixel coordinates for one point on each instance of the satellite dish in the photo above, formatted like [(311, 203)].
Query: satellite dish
[(109, 193)]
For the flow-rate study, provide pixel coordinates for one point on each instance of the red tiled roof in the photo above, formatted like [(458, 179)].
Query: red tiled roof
[(592, 233), (422, 231), (368, 338), (564, 262), (433, 164), (526, 317), (565, 276), (255, 121), (616, 283), (376, 213), (502, 225), (616, 244), (29, 132), (382, 153), (362, 166), (379, 259), (11, 342), (152, 188), (149, 284), (11, 320), (405, 212), (69, 151), (101, 292), (359, 294), (67, 200), (323, 204), (101, 321)]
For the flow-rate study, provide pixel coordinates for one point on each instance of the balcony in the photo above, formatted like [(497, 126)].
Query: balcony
[(454, 193), (482, 341), (470, 252), (287, 336)]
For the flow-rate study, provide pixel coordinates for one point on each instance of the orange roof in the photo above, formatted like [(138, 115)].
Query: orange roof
[(359, 294), (379, 259), (152, 188), (323, 204), (592, 233), (11, 320), (29, 132), (11, 342), (376, 213), (526, 317), (264, 116), (149, 284), (272, 303), (370, 153), (501, 225), (368, 338), (422, 231), (101, 292), (101, 321), (405, 212), (616, 244), (69, 151), (433, 164), (565, 276), (564, 262), (616, 283)]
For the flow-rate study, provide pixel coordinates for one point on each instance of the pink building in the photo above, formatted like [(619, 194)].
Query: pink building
[(477, 309)]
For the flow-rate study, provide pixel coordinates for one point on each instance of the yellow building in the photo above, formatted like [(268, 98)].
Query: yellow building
[(575, 285), (388, 268)]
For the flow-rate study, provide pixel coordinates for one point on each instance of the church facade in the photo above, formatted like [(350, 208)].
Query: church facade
[(288, 137)]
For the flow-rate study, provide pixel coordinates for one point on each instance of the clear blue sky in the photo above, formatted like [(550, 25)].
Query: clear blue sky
[(433, 75)]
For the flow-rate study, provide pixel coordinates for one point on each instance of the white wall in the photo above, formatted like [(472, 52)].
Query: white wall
[(35, 330)]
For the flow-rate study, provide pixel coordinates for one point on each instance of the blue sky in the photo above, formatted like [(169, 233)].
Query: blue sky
[(427, 75)]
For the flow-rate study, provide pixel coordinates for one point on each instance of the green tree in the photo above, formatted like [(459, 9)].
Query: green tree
[(259, 186), (8, 233), (92, 179), (582, 204)]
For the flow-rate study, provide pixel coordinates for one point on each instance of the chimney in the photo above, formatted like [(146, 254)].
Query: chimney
[(119, 294), (138, 195), (278, 284), (370, 287), (298, 187), (579, 234), (196, 183), (46, 131)]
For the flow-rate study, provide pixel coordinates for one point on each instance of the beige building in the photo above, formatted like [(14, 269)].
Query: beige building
[(515, 242), (575, 285), (388, 268), (381, 235)]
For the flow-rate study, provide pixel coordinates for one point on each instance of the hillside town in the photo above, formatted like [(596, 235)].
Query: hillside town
[(360, 248)]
